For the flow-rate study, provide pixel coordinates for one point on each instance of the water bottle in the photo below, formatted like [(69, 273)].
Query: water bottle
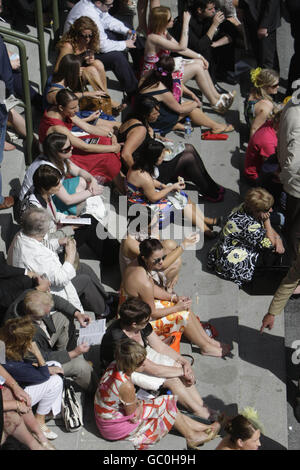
[(187, 128)]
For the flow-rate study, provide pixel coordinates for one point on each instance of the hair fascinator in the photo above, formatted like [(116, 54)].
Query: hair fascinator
[(254, 75), (252, 415), (162, 71)]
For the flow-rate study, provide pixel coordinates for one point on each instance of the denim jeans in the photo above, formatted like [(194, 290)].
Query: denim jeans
[(2, 141)]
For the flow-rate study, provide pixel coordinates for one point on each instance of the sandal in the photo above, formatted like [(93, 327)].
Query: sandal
[(220, 107), (228, 128), (211, 436)]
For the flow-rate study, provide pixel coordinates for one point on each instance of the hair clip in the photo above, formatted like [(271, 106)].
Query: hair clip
[(162, 71), (254, 75)]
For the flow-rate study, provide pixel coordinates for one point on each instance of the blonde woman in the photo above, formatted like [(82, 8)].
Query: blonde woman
[(259, 105), (247, 239), (160, 42)]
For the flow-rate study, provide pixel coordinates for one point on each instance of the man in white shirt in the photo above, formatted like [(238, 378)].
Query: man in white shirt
[(31, 247), (111, 51)]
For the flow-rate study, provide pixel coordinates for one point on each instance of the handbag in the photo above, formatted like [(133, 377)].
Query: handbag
[(92, 103), (71, 409), (173, 340)]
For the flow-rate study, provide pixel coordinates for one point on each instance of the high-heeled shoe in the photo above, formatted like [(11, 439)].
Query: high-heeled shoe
[(211, 435)]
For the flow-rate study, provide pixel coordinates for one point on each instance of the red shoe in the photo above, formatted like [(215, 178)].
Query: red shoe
[(210, 136), (7, 203)]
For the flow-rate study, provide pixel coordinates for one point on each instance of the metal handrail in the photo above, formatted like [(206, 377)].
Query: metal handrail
[(55, 13), (27, 37), (27, 106)]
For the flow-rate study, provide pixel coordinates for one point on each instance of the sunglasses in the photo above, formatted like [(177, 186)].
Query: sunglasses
[(108, 5), (67, 149), (158, 260), (170, 19), (275, 86), (87, 36)]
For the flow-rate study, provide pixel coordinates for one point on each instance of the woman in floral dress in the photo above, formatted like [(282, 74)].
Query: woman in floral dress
[(246, 234), (120, 415)]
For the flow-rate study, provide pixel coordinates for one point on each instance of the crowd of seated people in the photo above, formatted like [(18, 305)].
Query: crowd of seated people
[(45, 288)]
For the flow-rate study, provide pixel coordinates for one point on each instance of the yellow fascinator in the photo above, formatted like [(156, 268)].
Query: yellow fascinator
[(254, 74), (252, 416)]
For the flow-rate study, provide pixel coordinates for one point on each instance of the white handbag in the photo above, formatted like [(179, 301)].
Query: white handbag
[(71, 409)]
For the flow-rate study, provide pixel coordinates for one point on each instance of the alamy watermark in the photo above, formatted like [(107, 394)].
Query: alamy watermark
[(296, 93), (296, 353), (143, 221)]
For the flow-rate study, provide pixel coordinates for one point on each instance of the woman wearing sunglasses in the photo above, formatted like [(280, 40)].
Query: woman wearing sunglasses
[(96, 151), (169, 312), (83, 40), (159, 43), (259, 105), (77, 183)]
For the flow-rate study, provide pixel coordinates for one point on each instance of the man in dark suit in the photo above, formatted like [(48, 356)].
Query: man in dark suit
[(210, 35), (14, 281), (261, 19), (55, 333)]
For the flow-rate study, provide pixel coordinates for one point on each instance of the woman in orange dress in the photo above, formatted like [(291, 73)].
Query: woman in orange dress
[(169, 312)]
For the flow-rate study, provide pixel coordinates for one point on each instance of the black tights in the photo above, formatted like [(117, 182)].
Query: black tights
[(190, 166)]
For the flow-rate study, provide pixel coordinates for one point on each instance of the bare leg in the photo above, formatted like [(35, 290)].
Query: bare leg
[(16, 427), (199, 118), (188, 397), (18, 122), (196, 334), (192, 430), (33, 425), (15, 424), (193, 213), (172, 271), (97, 71), (196, 71)]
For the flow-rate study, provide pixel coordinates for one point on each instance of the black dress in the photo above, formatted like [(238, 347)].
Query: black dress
[(187, 164)]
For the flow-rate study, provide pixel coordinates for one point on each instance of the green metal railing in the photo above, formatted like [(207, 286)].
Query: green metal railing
[(27, 102), (16, 38)]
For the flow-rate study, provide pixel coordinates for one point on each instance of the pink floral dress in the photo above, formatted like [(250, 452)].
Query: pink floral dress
[(158, 416)]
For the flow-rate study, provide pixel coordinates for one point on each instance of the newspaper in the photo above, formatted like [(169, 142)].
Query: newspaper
[(93, 333)]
